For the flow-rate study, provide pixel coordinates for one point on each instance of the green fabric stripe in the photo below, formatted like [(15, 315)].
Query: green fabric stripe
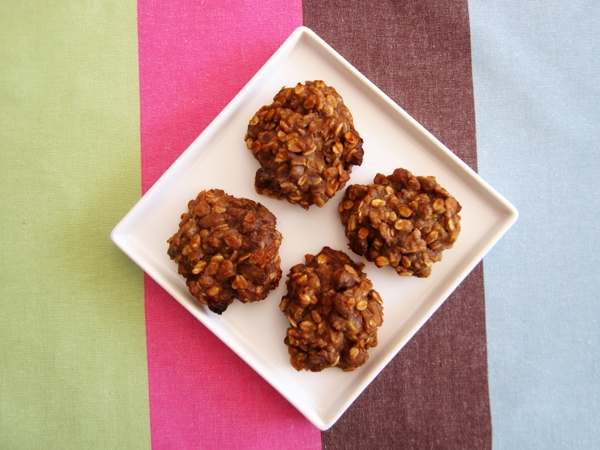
[(73, 370)]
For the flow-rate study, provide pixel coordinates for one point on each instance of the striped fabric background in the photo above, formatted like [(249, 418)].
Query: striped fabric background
[(98, 98)]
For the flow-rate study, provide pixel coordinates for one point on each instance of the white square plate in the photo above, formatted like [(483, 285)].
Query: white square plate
[(218, 158)]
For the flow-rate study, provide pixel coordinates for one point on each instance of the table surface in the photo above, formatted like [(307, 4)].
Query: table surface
[(98, 98)]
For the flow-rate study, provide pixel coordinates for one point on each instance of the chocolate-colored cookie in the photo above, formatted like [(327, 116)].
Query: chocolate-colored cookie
[(401, 220), (333, 312), (306, 144), (227, 248)]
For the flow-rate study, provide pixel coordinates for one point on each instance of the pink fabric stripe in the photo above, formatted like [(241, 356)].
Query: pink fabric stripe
[(194, 57)]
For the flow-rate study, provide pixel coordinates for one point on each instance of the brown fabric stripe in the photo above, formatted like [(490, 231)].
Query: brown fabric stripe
[(434, 394)]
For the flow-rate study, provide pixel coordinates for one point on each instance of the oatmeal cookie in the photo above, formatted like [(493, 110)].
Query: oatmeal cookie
[(227, 248), (306, 144), (401, 220), (333, 312)]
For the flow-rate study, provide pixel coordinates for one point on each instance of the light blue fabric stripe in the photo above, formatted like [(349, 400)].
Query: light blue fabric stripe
[(536, 70)]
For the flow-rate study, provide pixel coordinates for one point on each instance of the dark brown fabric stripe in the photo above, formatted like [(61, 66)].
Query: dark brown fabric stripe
[(434, 394)]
